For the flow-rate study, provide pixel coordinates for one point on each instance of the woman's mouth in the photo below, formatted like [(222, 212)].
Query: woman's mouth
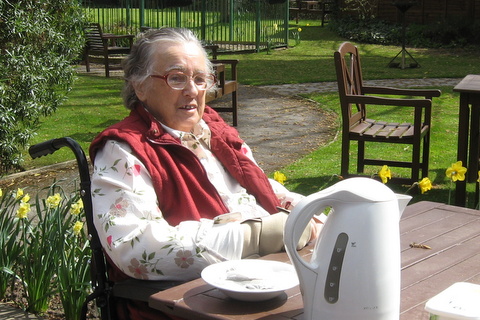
[(188, 107)]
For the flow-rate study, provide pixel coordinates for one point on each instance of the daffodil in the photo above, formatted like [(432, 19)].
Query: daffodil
[(1, 192), (77, 227), (53, 201), (25, 198), (299, 29), (76, 207), (19, 194), (385, 174), (279, 177), (456, 172), (425, 184), (23, 210)]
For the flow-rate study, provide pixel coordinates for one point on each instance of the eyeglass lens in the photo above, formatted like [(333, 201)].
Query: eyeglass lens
[(179, 80)]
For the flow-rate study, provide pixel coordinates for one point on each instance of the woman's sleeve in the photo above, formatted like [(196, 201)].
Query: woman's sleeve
[(134, 233), (288, 199)]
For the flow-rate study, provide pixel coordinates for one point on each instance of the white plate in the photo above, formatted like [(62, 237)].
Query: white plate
[(251, 280)]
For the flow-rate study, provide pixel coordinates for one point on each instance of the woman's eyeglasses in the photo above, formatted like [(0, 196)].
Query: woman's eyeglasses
[(179, 80)]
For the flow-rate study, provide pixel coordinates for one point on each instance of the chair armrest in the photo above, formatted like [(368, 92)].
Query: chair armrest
[(427, 93), (414, 103)]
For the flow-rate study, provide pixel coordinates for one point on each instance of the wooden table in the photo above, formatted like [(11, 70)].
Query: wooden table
[(453, 233), (468, 129)]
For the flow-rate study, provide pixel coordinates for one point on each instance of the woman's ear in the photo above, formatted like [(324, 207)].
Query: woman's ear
[(140, 90)]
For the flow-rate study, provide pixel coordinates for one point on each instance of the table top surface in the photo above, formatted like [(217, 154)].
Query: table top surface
[(471, 83), (451, 233)]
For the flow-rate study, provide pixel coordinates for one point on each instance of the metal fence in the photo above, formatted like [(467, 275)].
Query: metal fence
[(234, 25)]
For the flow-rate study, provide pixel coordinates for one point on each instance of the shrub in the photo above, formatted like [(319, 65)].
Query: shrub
[(451, 34), (38, 41)]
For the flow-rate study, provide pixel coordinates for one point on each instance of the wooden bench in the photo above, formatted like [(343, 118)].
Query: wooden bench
[(226, 84), (105, 48)]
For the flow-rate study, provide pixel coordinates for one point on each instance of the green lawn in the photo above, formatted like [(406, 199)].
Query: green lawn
[(95, 103)]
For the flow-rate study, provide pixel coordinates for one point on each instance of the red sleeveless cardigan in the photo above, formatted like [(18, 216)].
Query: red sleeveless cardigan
[(180, 180)]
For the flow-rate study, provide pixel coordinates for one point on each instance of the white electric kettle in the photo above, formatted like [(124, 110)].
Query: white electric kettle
[(354, 271)]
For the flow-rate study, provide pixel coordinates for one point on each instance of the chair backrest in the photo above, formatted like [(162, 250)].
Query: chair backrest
[(94, 36), (350, 81)]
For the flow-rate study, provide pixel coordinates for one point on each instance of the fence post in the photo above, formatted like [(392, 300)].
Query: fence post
[(204, 20), (258, 22), (287, 19), (128, 7), (178, 13), (142, 13)]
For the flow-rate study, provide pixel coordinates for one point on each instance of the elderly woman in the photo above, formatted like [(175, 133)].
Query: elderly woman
[(174, 187)]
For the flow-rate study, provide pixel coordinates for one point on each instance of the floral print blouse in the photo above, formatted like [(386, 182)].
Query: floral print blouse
[(136, 236)]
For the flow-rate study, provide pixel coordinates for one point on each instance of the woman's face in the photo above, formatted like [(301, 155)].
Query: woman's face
[(177, 109)]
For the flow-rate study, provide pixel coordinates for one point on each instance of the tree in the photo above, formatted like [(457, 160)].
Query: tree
[(39, 40)]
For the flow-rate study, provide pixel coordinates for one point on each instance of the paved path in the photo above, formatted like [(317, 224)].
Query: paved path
[(268, 100), (304, 88)]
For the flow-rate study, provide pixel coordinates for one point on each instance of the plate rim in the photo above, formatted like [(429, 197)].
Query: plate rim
[(245, 261)]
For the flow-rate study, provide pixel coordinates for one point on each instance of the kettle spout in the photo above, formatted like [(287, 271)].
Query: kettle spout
[(403, 201)]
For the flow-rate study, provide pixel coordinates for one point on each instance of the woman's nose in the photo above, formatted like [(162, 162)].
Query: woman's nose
[(190, 89)]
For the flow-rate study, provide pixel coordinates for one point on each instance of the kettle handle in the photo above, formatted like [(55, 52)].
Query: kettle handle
[(298, 220)]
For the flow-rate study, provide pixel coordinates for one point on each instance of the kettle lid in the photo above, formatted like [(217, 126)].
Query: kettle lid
[(361, 189)]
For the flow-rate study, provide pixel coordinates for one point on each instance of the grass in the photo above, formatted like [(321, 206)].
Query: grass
[(95, 103)]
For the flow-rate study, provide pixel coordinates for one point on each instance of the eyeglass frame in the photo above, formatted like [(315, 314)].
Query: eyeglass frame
[(165, 78)]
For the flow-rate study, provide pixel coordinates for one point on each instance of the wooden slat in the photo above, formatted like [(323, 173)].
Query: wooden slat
[(387, 130), (375, 128), (401, 130)]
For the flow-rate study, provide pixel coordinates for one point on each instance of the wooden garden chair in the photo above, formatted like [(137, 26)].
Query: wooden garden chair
[(354, 99)]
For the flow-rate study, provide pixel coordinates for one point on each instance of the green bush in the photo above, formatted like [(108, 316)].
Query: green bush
[(39, 40), (367, 31), (451, 34), (446, 34)]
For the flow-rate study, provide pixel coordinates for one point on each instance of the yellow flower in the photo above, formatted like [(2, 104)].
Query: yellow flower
[(54, 201), (299, 29), (308, 24), (76, 207), (425, 184), (275, 27), (1, 192), (279, 177), (385, 174), (23, 210), (77, 227), (456, 171), (26, 198), (19, 193)]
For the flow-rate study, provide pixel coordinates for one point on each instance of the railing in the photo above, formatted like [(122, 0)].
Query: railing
[(234, 25)]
